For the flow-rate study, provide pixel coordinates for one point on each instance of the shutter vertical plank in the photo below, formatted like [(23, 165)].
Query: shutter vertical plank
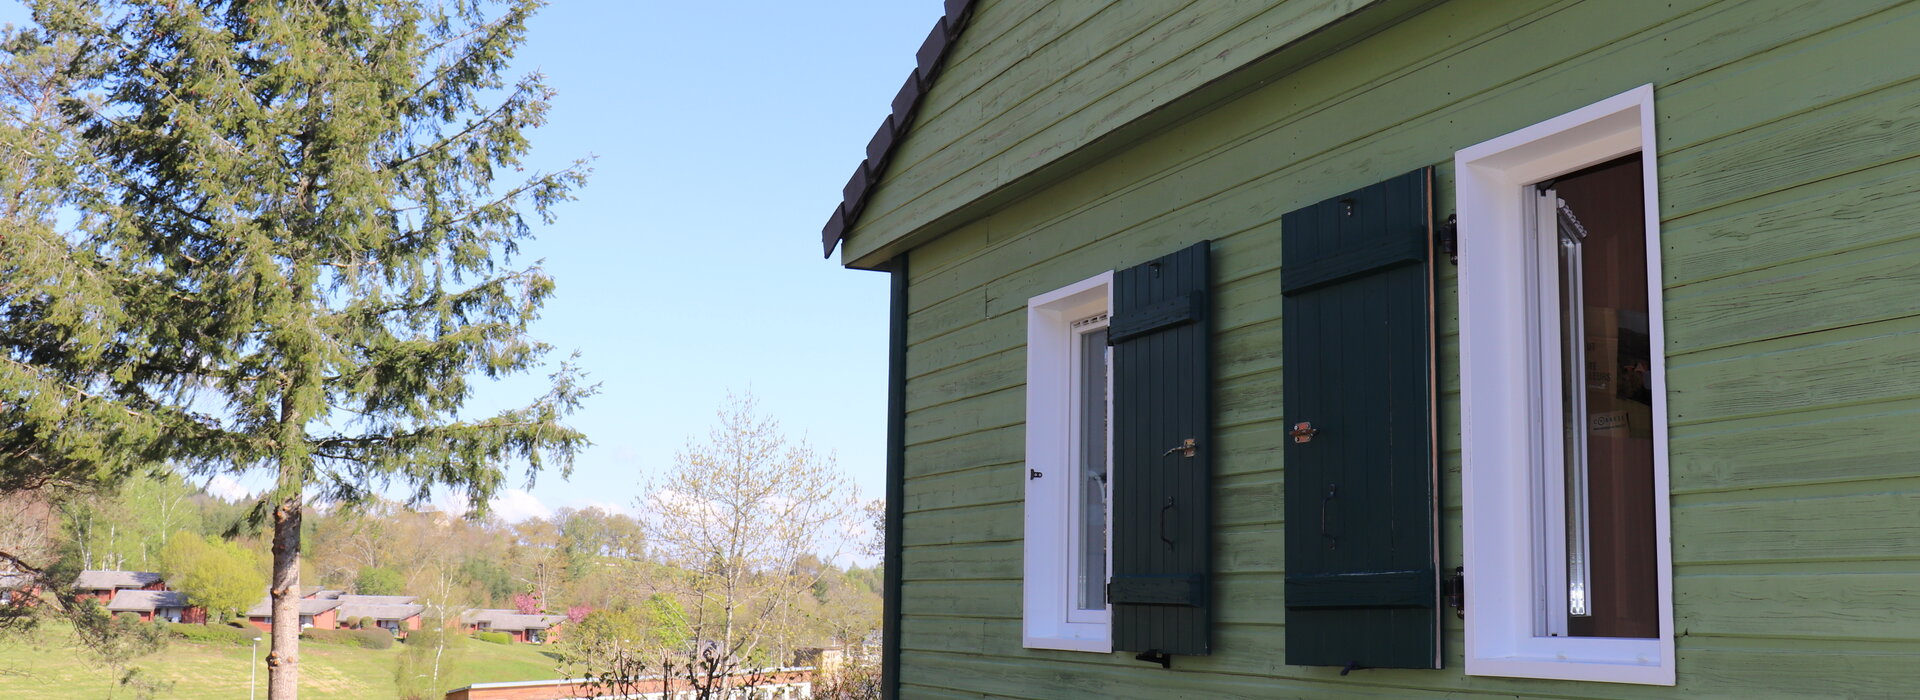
[(1162, 385), (1361, 512)]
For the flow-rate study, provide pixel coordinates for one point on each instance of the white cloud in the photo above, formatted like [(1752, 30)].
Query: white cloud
[(516, 505), (608, 506), (227, 488)]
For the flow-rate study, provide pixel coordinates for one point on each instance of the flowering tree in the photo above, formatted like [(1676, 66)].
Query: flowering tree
[(527, 603)]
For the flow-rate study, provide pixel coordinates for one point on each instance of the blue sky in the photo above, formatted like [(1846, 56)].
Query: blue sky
[(690, 266)]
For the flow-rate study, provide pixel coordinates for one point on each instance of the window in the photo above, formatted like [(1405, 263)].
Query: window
[(1069, 382), (1565, 514)]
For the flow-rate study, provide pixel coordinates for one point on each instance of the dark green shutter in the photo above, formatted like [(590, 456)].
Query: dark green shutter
[(1161, 516), (1362, 577)]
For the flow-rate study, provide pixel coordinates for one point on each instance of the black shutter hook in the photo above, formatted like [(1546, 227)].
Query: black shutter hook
[(1332, 539), (1163, 522)]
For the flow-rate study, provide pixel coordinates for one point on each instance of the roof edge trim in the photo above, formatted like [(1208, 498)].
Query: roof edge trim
[(931, 56)]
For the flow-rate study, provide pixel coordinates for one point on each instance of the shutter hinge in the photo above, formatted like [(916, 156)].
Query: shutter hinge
[(1449, 235), (1457, 591)]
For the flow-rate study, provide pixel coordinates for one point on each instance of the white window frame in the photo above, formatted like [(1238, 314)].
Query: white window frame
[(1050, 619), (1501, 388)]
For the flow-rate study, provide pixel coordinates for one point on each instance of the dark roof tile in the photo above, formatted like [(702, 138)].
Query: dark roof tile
[(908, 98), (880, 147), (835, 229), (933, 49), (856, 189), (932, 54)]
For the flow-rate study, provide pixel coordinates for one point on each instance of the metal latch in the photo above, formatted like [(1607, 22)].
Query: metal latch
[(1303, 432), (1186, 448)]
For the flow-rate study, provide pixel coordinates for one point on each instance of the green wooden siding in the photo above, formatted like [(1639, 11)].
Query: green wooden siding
[(1029, 82), (1791, 229)]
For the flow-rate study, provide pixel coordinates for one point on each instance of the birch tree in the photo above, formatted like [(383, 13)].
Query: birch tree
[(736, 516)]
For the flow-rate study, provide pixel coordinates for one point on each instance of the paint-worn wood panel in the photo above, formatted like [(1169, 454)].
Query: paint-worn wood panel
[(1182, 191), (1835, 215), (1860, 442), (1169, 58), (1794, 342), (1797, 298)]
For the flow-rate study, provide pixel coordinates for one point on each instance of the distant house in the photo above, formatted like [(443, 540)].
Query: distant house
[(529, 629), (171, 606), (398, 614), (100, 585), (317, 613), (18, 588), (327, 608)]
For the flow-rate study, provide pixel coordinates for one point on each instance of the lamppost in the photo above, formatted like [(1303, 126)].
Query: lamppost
[(254, 675)]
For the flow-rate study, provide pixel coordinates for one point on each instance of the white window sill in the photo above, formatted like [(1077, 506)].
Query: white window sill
[(1102, 645), (1651, 672)]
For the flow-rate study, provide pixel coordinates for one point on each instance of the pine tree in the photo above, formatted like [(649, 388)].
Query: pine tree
[(293, 207), (61, 430)]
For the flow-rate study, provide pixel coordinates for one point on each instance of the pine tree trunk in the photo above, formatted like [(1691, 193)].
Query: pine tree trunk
[(283, 660)]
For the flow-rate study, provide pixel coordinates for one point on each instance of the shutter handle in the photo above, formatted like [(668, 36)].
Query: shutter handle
[(1163, 522), (1303, 432), (1186, 448), (1333, 540)]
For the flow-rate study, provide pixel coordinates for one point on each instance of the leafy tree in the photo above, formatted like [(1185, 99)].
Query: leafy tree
[(876, 517), (305, 252), (589, 535), (378, 580), (429, 651), (537, 561), (623, 646), (494, 582), (215, 574)]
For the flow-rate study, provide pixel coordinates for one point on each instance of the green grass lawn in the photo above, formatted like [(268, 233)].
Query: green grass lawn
[(46, 665)]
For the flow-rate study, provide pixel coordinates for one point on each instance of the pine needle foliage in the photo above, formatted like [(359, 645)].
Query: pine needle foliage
[(304, 217), (61, 428)]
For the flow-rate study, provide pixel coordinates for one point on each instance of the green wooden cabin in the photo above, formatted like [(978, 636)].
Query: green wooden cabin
[(1402, 349)]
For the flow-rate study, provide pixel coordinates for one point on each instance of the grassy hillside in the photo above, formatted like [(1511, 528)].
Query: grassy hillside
[(45, 665)]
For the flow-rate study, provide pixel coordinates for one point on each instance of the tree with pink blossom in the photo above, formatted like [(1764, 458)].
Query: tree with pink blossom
[(526, 603)]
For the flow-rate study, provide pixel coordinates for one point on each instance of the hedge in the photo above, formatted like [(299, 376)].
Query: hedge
[(494, 637), (365, 639), (214, 634)]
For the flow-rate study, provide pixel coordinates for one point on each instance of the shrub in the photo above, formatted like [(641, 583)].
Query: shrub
[(365, 639), (494, 637), (214, 634)]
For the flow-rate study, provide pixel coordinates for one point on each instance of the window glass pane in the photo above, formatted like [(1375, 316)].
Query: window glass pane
[(1091, 472), (1608, 417)]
